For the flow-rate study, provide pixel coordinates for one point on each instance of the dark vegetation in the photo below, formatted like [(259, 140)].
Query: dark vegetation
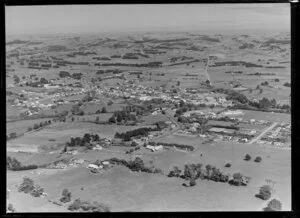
[(195, 171), (126, 136), (258, 159), (15, 165), (114, 71), (154, 64), (265, 192), (137, 165), (27, 186), (235, 63), (40, 125), (273, 205), (287, 84), (84, 141), (88, 206), (261, 74), (247, 157), (66, 196)]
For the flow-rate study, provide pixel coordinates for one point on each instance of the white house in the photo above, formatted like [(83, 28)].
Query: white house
[(92, 166)]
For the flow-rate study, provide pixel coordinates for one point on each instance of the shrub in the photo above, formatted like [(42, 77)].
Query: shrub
[(110, 103), (258, 159), (103, 110), (264, 192), (10, 208), (37, 191), (29, 129), (26, 186), (237, 179), (192, 182), (247, 157), (273, 205), (66, 196), (88, 206), (228, 165)]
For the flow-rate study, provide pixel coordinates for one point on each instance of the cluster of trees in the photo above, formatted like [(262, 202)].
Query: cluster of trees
[(84, 141), (132, 150), (103, 111), (266, 83), (263, 103), (36, 126), (137, 165), (119, 116), (194, 171), (88, 206), (66, 196), (63, 74), (15, 165), (28, 186), (114, 71), (233, 95), (126, 136), (76, 110), (37, 83), (11, 135)]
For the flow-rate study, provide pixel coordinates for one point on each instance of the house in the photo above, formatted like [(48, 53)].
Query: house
[(97, 147), (93, 166)]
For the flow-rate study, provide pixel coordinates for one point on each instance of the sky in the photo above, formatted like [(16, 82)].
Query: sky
[(64, 19)]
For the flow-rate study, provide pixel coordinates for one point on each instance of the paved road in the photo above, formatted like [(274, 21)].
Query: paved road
[(263, 133)]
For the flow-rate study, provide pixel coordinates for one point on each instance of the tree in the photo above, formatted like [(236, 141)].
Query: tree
[(258, 159), (208, 169), (110, 102), (97, 119), (112, 119), (103, 110), (10, 208), (176, 171), (13, 135), (265, 192), (237, 179), (119, 118), (66, 196), (192, 182), (26, 186), (228, 165), (273, 205), (257, 87), (16, 79), (178, 83), (247, 157), (260, 91), (37, 191)]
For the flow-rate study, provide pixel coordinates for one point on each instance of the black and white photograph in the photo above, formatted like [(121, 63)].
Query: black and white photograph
[(148, 108)]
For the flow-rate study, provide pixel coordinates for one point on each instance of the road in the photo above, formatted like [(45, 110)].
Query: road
[(178, 126), (263, 133)]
